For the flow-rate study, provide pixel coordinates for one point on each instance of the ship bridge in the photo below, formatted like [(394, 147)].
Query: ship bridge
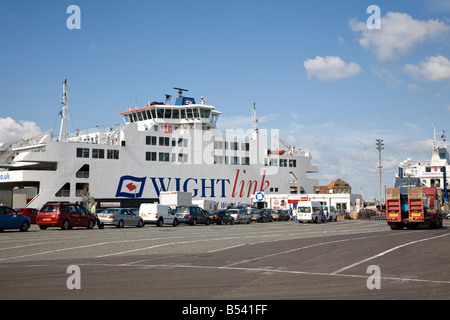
[(184, 111)]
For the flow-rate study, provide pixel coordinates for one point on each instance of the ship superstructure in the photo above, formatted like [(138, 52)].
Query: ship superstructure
[(158, 147), (432, 173)]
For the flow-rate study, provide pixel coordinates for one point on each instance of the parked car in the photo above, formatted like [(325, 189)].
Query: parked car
[(120, 217), (220, 217), (11, 219), (283, 215), (192, 215), (158, 214), (274, 214), (28, 212), (261, 215), (64, 215), (239, 215)]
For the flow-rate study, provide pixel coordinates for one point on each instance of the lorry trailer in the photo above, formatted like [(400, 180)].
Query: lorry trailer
[(411, 206)]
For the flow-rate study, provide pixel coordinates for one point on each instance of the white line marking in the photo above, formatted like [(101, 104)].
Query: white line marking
[(385, 252), (52, 251)]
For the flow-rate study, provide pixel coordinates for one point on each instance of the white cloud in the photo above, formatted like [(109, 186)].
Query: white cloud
[(432, 69), (398, 35), (12, 131), (330, 68)]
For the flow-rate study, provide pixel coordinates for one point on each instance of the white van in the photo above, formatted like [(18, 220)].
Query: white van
[(310, 211), (331, 213), (158, 214)]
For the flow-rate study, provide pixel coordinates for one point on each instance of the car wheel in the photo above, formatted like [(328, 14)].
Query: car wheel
[(43, 227), (120, 224), (65, 225), (160, 222), (207, 222), (90, 224), (140, 223), (194, 222), (175, 222), (25, 226)]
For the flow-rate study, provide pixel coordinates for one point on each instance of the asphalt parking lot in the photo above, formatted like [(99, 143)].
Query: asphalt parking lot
[(350, 259)]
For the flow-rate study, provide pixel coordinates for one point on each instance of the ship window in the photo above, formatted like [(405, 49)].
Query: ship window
[(144, 114), (164, 156), (292, 163), (196, 114), (149, 115), (133, 117), (204, 112), (189, 113), (81, 188), (164, 141), (82, 153), (160, 113), (150, 140), (112, 154), (150, 156), (183, 113), (83, 172), (153, 112), (245, 146), (283, 162), (218, 144), (175, 114), (125, 117), (245, 160), (234, 160), (214, 117), (64, 191), (98, 153), (218, 159), (234, 146), (168, 113)]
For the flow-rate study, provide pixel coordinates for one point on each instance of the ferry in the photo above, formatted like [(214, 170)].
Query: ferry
[(156, 148), (431, 173)]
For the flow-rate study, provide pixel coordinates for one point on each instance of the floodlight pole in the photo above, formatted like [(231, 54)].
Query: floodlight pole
[(380, 145)]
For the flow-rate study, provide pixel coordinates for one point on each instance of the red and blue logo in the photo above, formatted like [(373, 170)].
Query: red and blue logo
[(130, 187)]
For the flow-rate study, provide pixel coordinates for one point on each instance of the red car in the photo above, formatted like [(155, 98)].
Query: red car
[(64, 215), (28, 212)]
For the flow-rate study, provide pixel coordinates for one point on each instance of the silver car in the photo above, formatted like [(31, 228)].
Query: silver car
[(119, 217), (239, 215)]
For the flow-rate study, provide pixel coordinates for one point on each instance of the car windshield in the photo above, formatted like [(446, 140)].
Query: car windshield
[(49, 208), (182, 210), (110, 211)]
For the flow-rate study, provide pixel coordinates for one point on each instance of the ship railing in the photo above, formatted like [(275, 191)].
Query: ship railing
[(5, 155), (103, 135)]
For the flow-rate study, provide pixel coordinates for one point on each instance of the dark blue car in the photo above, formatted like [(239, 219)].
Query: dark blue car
[(10, 219)]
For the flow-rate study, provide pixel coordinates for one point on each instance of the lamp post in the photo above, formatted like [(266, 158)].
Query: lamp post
[(380, 145)]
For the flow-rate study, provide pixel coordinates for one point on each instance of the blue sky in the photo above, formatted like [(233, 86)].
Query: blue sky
[(313, 68)]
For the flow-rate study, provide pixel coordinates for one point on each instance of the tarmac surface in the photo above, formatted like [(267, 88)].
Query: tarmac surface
[(349, 259)]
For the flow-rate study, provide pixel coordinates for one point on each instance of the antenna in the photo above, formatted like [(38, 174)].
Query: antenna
[(255, 120), (63, 128), (180, 91)]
